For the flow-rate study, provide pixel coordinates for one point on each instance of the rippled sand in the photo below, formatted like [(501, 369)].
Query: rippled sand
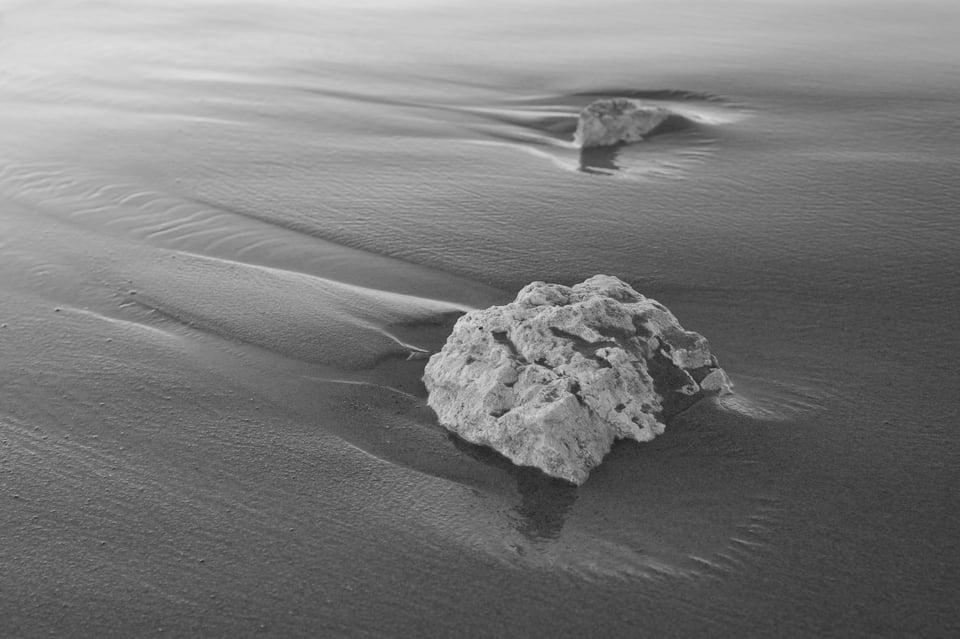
[(229, 239)]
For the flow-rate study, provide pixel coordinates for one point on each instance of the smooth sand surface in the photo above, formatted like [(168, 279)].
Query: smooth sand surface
[(229, 235)]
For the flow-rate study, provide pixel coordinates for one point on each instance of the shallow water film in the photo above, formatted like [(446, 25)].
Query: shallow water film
[(231, 234)]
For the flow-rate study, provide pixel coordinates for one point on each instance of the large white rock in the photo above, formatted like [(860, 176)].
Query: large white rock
[(617, 120), (553, 378)]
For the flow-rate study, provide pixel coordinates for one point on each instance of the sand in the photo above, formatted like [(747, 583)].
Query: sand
[(224, 233)]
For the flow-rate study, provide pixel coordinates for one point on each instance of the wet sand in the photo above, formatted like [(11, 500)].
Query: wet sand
[(228, 241)]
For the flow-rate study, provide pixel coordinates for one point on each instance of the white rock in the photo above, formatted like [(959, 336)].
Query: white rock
[(617, 120), (553, 378)]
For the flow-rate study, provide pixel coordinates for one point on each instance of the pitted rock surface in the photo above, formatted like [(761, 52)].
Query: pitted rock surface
[(617, 121), (553, 378)]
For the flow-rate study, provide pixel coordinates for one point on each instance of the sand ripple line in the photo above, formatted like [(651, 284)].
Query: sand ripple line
[(168, 220), (302, 316)]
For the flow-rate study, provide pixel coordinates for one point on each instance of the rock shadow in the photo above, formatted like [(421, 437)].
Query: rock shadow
[(544, 501), (600, 160)]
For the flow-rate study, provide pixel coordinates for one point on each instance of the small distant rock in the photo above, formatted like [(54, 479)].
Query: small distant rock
[(553, 378), (616, 121)]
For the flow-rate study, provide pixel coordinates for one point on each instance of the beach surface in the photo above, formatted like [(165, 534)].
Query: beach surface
[(230, 236)]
